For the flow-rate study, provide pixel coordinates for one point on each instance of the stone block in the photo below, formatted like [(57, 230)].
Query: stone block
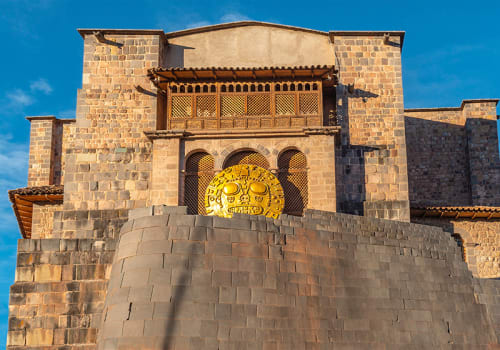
[(198, 233), (126, 250), (136, 278), (155, 247), (181, 220), (162, 293), (155, 234), (48, 273), (141, 311), (249, 250), (133, 328), (219, 222), (181, 232), (118, 312), (140, 212), (39, 337), (188, 248), (151, 221), (140, 294), (143, 261), (204, 221), (160, 276), (16, 338), (24, 274)]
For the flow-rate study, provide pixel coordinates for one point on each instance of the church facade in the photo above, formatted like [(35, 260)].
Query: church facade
[(385, 212)]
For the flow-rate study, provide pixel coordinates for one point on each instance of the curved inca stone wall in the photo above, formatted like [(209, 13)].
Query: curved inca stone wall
[(323, 281)]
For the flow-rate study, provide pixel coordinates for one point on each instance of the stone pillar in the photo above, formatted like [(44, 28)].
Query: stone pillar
[(371, 161), (109, 166), (165, 183), (321, 173), (42, 140)]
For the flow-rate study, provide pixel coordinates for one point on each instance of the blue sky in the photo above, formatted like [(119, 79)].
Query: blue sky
[(451, 52)]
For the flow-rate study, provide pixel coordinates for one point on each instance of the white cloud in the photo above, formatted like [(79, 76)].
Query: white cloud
[(67, 113), (234, 17), (225, 18), (14, 157), (13, 174), (18, 99), (198, 24), (41, 85)]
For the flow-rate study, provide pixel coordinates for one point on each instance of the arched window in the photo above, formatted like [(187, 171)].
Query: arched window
[(199, 173), (247, 157), (292, 174)]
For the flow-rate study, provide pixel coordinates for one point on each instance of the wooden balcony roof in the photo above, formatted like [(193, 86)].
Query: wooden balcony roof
[(165, 75), (22, 202), (468, 212)]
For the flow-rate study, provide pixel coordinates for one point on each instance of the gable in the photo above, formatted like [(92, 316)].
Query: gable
[(248, 45)]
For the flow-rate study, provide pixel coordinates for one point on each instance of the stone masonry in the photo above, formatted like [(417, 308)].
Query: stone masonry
[(372, 157), (453, 154), (325, 280), (397, 248)]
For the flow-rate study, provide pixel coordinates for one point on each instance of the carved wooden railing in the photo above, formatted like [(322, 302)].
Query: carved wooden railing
[(248, 105)]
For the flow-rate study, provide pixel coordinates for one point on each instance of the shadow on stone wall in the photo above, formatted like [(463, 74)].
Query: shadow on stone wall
[(350, 158), (322, 280), (438, 163), (175, 55)]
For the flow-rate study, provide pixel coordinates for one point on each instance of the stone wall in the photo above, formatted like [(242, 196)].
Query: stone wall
[(47, 147), (169, 157), (108, 162), (481, 240), (325, 280), (272, 46), (42, 222), (57, 298), (453, 155), (91, 224), (371, 162), (487, 292)]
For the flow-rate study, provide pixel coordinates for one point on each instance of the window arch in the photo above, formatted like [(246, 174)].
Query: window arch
[(199, 173), (247, 157), (292, 174)]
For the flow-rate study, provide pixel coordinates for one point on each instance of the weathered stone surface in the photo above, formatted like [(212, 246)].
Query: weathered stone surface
[(329, 280)]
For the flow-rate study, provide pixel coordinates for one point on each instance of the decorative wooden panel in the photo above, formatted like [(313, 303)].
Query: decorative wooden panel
[(206, 106), (250, 105), (199, 173), (182, 106), (247, 157), (232, 106), (292, 174)]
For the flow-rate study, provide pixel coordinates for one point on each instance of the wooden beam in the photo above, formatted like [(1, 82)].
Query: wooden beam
[(194, 74)]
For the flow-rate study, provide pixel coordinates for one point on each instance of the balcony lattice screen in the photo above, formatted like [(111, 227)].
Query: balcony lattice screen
[(244, 105)]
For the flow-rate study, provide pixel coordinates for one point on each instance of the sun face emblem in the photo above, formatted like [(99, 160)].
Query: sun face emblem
[(246, 189)]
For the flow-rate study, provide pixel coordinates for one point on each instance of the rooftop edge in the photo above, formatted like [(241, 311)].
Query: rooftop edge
[(461, 107)]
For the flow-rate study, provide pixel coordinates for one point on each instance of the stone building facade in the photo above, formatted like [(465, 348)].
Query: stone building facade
[(117, 250)]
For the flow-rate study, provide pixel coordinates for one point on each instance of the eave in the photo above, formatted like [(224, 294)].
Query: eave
[(468, 212), (162, 76), (22, 203)]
